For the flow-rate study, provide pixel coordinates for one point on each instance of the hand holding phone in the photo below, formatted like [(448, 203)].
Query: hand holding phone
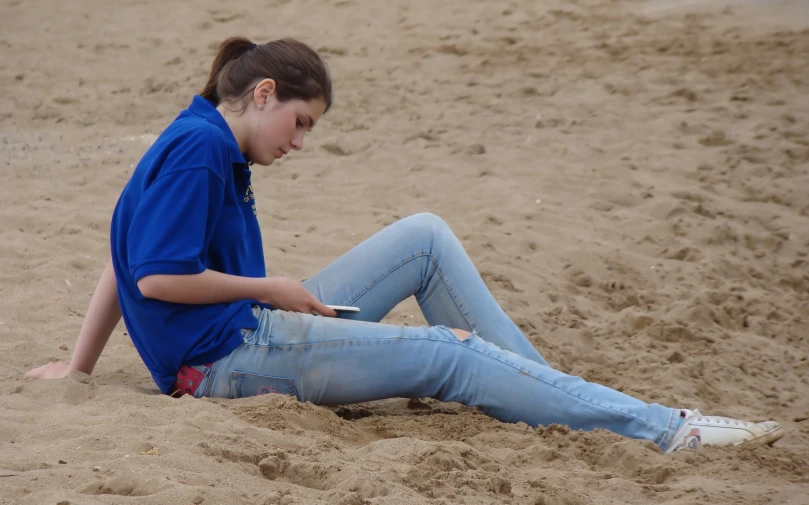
[(343, 308)]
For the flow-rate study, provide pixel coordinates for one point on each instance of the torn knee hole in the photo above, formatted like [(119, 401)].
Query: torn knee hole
[(461, 334)]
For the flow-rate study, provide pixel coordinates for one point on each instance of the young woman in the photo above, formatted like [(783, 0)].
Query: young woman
[(187, 273)]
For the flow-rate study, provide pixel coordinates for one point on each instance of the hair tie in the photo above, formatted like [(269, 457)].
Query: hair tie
[(253, 46)]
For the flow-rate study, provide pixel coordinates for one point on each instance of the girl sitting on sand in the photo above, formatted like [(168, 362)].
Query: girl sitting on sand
[(187, 273)]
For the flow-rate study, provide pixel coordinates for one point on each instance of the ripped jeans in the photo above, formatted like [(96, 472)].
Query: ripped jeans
[(355, 358)]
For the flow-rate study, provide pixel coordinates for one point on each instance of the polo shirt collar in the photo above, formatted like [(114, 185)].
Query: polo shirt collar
[(205, 109)]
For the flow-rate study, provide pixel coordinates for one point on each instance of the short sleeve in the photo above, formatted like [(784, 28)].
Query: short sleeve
[(174, 222)]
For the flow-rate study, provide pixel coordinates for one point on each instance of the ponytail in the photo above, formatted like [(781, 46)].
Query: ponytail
[(298, 71), (229, 51)]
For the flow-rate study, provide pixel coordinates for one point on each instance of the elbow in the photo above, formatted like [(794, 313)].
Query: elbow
[(149, 287)]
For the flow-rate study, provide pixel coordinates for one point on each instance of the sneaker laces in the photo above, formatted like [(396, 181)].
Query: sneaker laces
[(719, 419)]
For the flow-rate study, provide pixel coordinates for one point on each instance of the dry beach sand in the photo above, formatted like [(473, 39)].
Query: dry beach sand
[(630, 177)]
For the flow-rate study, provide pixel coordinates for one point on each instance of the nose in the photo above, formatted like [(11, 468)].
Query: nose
[(297, 141)]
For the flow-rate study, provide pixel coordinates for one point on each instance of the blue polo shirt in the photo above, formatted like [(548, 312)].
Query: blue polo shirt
[(188, 207)]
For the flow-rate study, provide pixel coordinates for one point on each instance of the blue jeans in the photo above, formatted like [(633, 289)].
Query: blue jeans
[(330, 361)]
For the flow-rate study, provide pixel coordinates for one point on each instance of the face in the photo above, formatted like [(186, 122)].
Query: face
[(279, 127)]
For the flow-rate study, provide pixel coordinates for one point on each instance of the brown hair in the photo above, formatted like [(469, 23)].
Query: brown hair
[(298, 71)]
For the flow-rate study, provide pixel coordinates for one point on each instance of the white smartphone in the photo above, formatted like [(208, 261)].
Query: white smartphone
[(343, 308)]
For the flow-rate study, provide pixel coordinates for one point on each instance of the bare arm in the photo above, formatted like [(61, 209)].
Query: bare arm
[(207, 287), (102, 316), (215, 287), (104, 312)]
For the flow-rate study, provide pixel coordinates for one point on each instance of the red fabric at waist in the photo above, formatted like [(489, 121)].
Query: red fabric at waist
[(188, 381)]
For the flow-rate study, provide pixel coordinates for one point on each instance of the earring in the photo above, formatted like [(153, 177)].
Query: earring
[(260, 107)]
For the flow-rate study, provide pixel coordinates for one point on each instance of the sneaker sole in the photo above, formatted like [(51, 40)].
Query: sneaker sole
[(768, 438)]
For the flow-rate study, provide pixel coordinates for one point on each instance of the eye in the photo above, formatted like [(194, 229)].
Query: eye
[(299, 123)]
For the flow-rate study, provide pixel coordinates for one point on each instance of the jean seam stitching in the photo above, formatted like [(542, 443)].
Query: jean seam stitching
[(384, 275), (459, 342), (671, 430), (211, 375), (451, 292), (438, 269)]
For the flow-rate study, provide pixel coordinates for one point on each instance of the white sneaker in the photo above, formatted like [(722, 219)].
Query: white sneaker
[(698, 430)]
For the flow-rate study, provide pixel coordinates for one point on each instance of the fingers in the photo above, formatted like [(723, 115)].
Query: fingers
[(52, 370), (39, 372), (323, 310), (35, 372)]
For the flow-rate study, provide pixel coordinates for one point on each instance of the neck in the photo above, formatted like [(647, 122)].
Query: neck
[(236, 126)]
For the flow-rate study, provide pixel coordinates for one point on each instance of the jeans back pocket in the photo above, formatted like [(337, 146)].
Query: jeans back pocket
[(244, 385)]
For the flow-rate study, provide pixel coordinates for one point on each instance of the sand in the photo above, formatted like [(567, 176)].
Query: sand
[(630, 178)]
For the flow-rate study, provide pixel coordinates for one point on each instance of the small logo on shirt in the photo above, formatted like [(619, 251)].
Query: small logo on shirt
[(249, 197)]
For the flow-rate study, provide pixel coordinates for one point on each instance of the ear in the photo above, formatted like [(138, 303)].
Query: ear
[(263, 91)]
